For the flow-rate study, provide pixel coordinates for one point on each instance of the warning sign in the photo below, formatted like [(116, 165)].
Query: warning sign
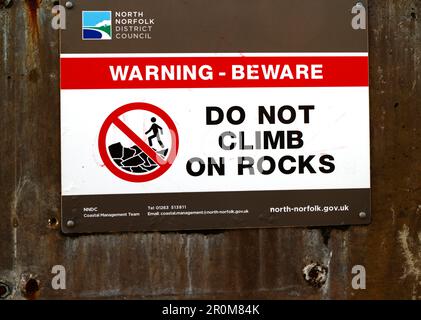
[(164, 131)]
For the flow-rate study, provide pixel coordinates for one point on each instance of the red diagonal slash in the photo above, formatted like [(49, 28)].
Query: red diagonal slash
[(140, 143)]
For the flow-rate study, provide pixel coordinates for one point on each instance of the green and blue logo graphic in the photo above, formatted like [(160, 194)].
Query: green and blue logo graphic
[(96, 25)]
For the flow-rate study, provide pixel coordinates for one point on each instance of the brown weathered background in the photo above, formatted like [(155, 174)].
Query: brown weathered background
[(230, 264)]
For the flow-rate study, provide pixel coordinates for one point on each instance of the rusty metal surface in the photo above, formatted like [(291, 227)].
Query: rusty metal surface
[(276, 263)]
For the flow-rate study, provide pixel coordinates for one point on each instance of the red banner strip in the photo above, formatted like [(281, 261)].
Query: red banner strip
[(213, 72)]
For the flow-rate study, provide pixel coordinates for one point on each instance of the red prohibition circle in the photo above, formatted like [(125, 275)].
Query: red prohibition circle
[(113, 118)]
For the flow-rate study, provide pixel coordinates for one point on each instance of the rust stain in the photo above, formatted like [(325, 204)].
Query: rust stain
[(315, 274), (33, 7), (30, 286)]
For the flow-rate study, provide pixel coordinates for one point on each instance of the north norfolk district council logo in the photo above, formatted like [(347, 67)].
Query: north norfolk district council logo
[(96, 25)]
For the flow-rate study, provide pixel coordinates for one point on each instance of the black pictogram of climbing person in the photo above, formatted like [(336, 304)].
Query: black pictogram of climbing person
[(157, 131)]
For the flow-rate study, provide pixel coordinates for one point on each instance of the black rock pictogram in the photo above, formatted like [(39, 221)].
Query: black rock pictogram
[(132, 159)]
